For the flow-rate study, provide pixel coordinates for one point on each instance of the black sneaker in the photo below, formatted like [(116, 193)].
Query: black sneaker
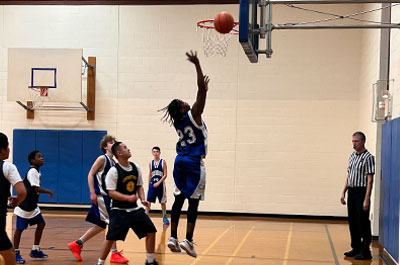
[(351, 253), (152, 263), (363, 256)]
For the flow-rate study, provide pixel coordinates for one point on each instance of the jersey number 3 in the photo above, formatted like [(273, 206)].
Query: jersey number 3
[(189, 133)]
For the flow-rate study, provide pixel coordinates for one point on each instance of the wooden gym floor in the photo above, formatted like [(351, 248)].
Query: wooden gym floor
[(220, 240)]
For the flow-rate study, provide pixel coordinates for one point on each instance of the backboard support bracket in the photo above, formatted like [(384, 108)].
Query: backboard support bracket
[(251, 30), (89, 107)]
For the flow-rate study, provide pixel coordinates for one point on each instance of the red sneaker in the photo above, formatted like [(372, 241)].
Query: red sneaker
[(76, 250), (118, 258)]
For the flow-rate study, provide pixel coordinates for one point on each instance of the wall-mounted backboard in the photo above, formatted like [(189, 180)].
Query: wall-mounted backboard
[(58, 69)]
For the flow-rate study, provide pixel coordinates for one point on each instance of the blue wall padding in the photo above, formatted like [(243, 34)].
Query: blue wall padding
[(70, 167), (47, 143), (21, 148), (386, 152), (389, 224), (68, 156)]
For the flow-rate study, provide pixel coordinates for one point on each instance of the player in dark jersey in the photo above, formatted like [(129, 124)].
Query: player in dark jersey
[(100, 209), (8, 176), (125, 185), (157, 188), (28, 212), (189, 170)]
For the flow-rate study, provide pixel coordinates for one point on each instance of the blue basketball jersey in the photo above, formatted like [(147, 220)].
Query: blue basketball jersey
[(157, 171), (192, 137), (100, 177)]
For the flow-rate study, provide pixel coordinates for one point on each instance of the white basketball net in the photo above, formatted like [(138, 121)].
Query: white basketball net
[(213, 41), (37, 95)]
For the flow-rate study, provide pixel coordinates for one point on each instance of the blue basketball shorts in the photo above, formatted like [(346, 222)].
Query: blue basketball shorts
[(100, 214), (22, 223), (159, 192), (5, 243), (190, 176)]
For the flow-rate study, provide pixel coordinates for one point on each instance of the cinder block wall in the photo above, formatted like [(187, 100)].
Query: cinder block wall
[(279, 131)]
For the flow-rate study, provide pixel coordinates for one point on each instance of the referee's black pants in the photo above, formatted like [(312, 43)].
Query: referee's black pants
[(359, 223)]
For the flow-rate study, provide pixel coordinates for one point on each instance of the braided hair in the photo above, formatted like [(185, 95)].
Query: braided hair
[(172, 112)]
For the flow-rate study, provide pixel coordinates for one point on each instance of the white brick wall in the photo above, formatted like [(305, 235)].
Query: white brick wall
[(279, 131)]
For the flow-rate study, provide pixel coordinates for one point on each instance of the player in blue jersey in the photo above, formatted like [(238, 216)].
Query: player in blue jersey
[(100, 209), (157, 188), (189, 170)]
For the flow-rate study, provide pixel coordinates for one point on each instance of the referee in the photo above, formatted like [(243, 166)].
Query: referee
[(358, 183)]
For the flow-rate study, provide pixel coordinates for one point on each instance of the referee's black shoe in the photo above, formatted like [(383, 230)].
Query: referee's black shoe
[(351, 253), (363, 256)]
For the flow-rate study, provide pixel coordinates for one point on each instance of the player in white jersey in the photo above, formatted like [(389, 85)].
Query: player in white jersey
[(189, 170), (28, 212), (8, 176)]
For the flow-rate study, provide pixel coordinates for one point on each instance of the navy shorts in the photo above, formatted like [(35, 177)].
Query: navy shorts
[(5, 243), (22, 223), (100, 214), (121, 221), (159, 192), (190, 176)]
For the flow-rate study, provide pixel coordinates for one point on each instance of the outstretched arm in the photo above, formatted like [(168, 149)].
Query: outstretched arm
[(202, 84)]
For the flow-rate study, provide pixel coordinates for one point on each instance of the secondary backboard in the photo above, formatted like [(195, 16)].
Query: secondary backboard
[(58, 69), (247, 26)]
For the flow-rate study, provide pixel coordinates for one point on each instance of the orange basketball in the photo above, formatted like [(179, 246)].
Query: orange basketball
[(223, 22)]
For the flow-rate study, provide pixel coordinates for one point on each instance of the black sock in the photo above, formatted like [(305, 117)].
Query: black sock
[(79, 242), (174, 234), (189, 236)]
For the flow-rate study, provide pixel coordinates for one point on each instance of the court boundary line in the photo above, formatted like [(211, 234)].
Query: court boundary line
[(210, 246), (240, 245), (288, 243), (332, 246), (307, 218)]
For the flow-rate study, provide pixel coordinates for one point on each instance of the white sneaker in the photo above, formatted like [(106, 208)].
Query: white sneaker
[(188, 247), (173, 244)]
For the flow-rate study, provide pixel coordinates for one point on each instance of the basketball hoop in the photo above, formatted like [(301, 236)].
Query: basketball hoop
[(37, 95), (213, 41)]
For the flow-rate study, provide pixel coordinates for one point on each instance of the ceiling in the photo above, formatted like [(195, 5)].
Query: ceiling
[(118, 2)]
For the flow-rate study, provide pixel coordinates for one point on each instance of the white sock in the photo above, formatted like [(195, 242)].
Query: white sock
[(17, 250), (150, 257), (114, 250), (164, 214), (35, 247), (100, 262)]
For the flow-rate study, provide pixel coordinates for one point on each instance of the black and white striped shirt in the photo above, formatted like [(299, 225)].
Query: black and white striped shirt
[(360, 165)]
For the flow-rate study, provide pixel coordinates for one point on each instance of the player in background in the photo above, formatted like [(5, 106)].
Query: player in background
[(100, 210), (28, 212), (157, 187)]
